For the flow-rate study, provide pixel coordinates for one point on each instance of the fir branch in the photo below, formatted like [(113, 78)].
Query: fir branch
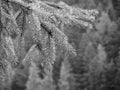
[(36, 29), (6, 74), (52, 51), (27, 59), (67, 11), (9, 49), (59, 37), (11, 17), (36, 23), (20, 2)]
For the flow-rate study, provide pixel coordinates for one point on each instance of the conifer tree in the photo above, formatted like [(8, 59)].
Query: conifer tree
[(65, 75)]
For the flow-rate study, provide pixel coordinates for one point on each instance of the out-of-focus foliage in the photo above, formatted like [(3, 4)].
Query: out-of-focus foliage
[(65, 75)]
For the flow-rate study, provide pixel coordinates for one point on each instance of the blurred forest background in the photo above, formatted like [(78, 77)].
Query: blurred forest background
[(97, 65)]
